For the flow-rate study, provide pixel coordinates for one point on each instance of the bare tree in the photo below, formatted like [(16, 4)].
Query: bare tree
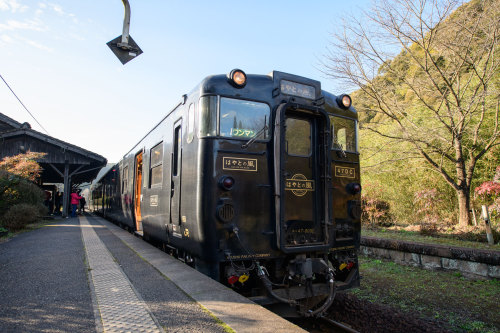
[(427, 74)]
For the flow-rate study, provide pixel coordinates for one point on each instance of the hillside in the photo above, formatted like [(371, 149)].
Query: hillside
[(429, 117)]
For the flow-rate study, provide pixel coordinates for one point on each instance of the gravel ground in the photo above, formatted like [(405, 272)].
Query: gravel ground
[(43, 281), (174, 310)]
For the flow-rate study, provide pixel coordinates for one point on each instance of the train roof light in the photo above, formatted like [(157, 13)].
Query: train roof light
[(238, 78), (344, 101)]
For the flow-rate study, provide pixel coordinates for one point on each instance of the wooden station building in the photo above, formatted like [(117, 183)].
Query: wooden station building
[(64, 163)]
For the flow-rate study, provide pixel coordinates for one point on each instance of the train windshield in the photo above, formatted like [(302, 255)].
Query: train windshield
[(344, 134), (244, 119)]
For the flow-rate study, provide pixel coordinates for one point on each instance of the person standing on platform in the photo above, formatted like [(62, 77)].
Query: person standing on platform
[(57, 201), (75, 199), (82, 205)]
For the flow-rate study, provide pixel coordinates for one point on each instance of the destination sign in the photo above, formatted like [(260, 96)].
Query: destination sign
[(241, 132), (297, 89)]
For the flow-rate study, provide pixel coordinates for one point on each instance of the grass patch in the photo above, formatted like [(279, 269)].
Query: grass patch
[(413, 236), (465, 305), (30, 227)]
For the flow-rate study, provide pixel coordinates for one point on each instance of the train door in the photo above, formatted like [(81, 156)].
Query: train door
[(137, 192), (176, 169), (302, 173)]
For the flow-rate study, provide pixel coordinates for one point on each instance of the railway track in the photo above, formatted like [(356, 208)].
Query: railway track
[(338, 325), (322, 325)]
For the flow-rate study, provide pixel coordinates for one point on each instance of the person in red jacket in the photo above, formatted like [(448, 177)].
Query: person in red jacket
[(75, 199)]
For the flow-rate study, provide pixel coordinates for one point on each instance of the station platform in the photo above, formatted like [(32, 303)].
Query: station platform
[(85, 274)]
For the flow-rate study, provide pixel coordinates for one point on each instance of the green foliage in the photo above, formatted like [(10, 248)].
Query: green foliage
[(20, 199), (20, 215), (429, 117), (397, 178), (472, 237), (16, 190)]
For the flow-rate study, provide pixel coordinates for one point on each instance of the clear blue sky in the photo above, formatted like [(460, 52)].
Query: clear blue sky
[(54, 56)]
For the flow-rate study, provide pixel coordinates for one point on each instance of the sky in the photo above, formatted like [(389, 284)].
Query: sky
[(53, 55)]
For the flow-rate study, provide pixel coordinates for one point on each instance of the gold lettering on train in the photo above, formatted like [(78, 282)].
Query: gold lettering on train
[(250, 256), (345, 172), (299, 185), (303, 231), (239, 164)]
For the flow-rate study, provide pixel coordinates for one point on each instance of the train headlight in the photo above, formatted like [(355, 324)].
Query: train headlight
[(226, 182), (344, 101), (353, 188), (237, 78)]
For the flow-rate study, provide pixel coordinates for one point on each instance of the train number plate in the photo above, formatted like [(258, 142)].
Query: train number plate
[(345, 172)]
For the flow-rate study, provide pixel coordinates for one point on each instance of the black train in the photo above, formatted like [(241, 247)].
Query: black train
[(253, 180)]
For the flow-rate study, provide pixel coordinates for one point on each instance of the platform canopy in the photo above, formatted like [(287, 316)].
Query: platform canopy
[(63, 163)]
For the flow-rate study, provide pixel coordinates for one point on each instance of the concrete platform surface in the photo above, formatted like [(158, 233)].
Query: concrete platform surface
[(85, 274)]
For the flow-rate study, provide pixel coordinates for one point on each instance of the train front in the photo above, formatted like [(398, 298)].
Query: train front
[(287, 199)]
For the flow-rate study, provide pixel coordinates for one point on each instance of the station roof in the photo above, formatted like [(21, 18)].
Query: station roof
[(17, 138)]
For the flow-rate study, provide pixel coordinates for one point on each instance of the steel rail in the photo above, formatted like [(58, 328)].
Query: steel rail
[(339, 325)]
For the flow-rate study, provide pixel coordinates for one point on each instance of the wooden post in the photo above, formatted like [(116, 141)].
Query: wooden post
[(486, 217), (67, 190)]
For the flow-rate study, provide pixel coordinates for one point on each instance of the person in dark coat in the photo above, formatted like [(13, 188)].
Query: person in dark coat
[(82, 205), (58, 202)]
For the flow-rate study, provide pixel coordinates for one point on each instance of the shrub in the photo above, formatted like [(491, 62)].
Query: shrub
[(375, 211), (428, 203), (20, 215), (489, 194), (16, 190)]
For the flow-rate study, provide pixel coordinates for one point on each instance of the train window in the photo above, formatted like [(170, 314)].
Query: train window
[(156, 165), (191, 119), (298, 137), (207, 116), (244, 119), (344, 133), (124, 179), (177, 149)]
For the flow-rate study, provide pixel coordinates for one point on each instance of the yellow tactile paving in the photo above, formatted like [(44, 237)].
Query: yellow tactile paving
[(120, 308)]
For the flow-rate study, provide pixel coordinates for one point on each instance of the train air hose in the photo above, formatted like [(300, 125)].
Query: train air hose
[(309, 313), (319, 311), (269, 285)]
